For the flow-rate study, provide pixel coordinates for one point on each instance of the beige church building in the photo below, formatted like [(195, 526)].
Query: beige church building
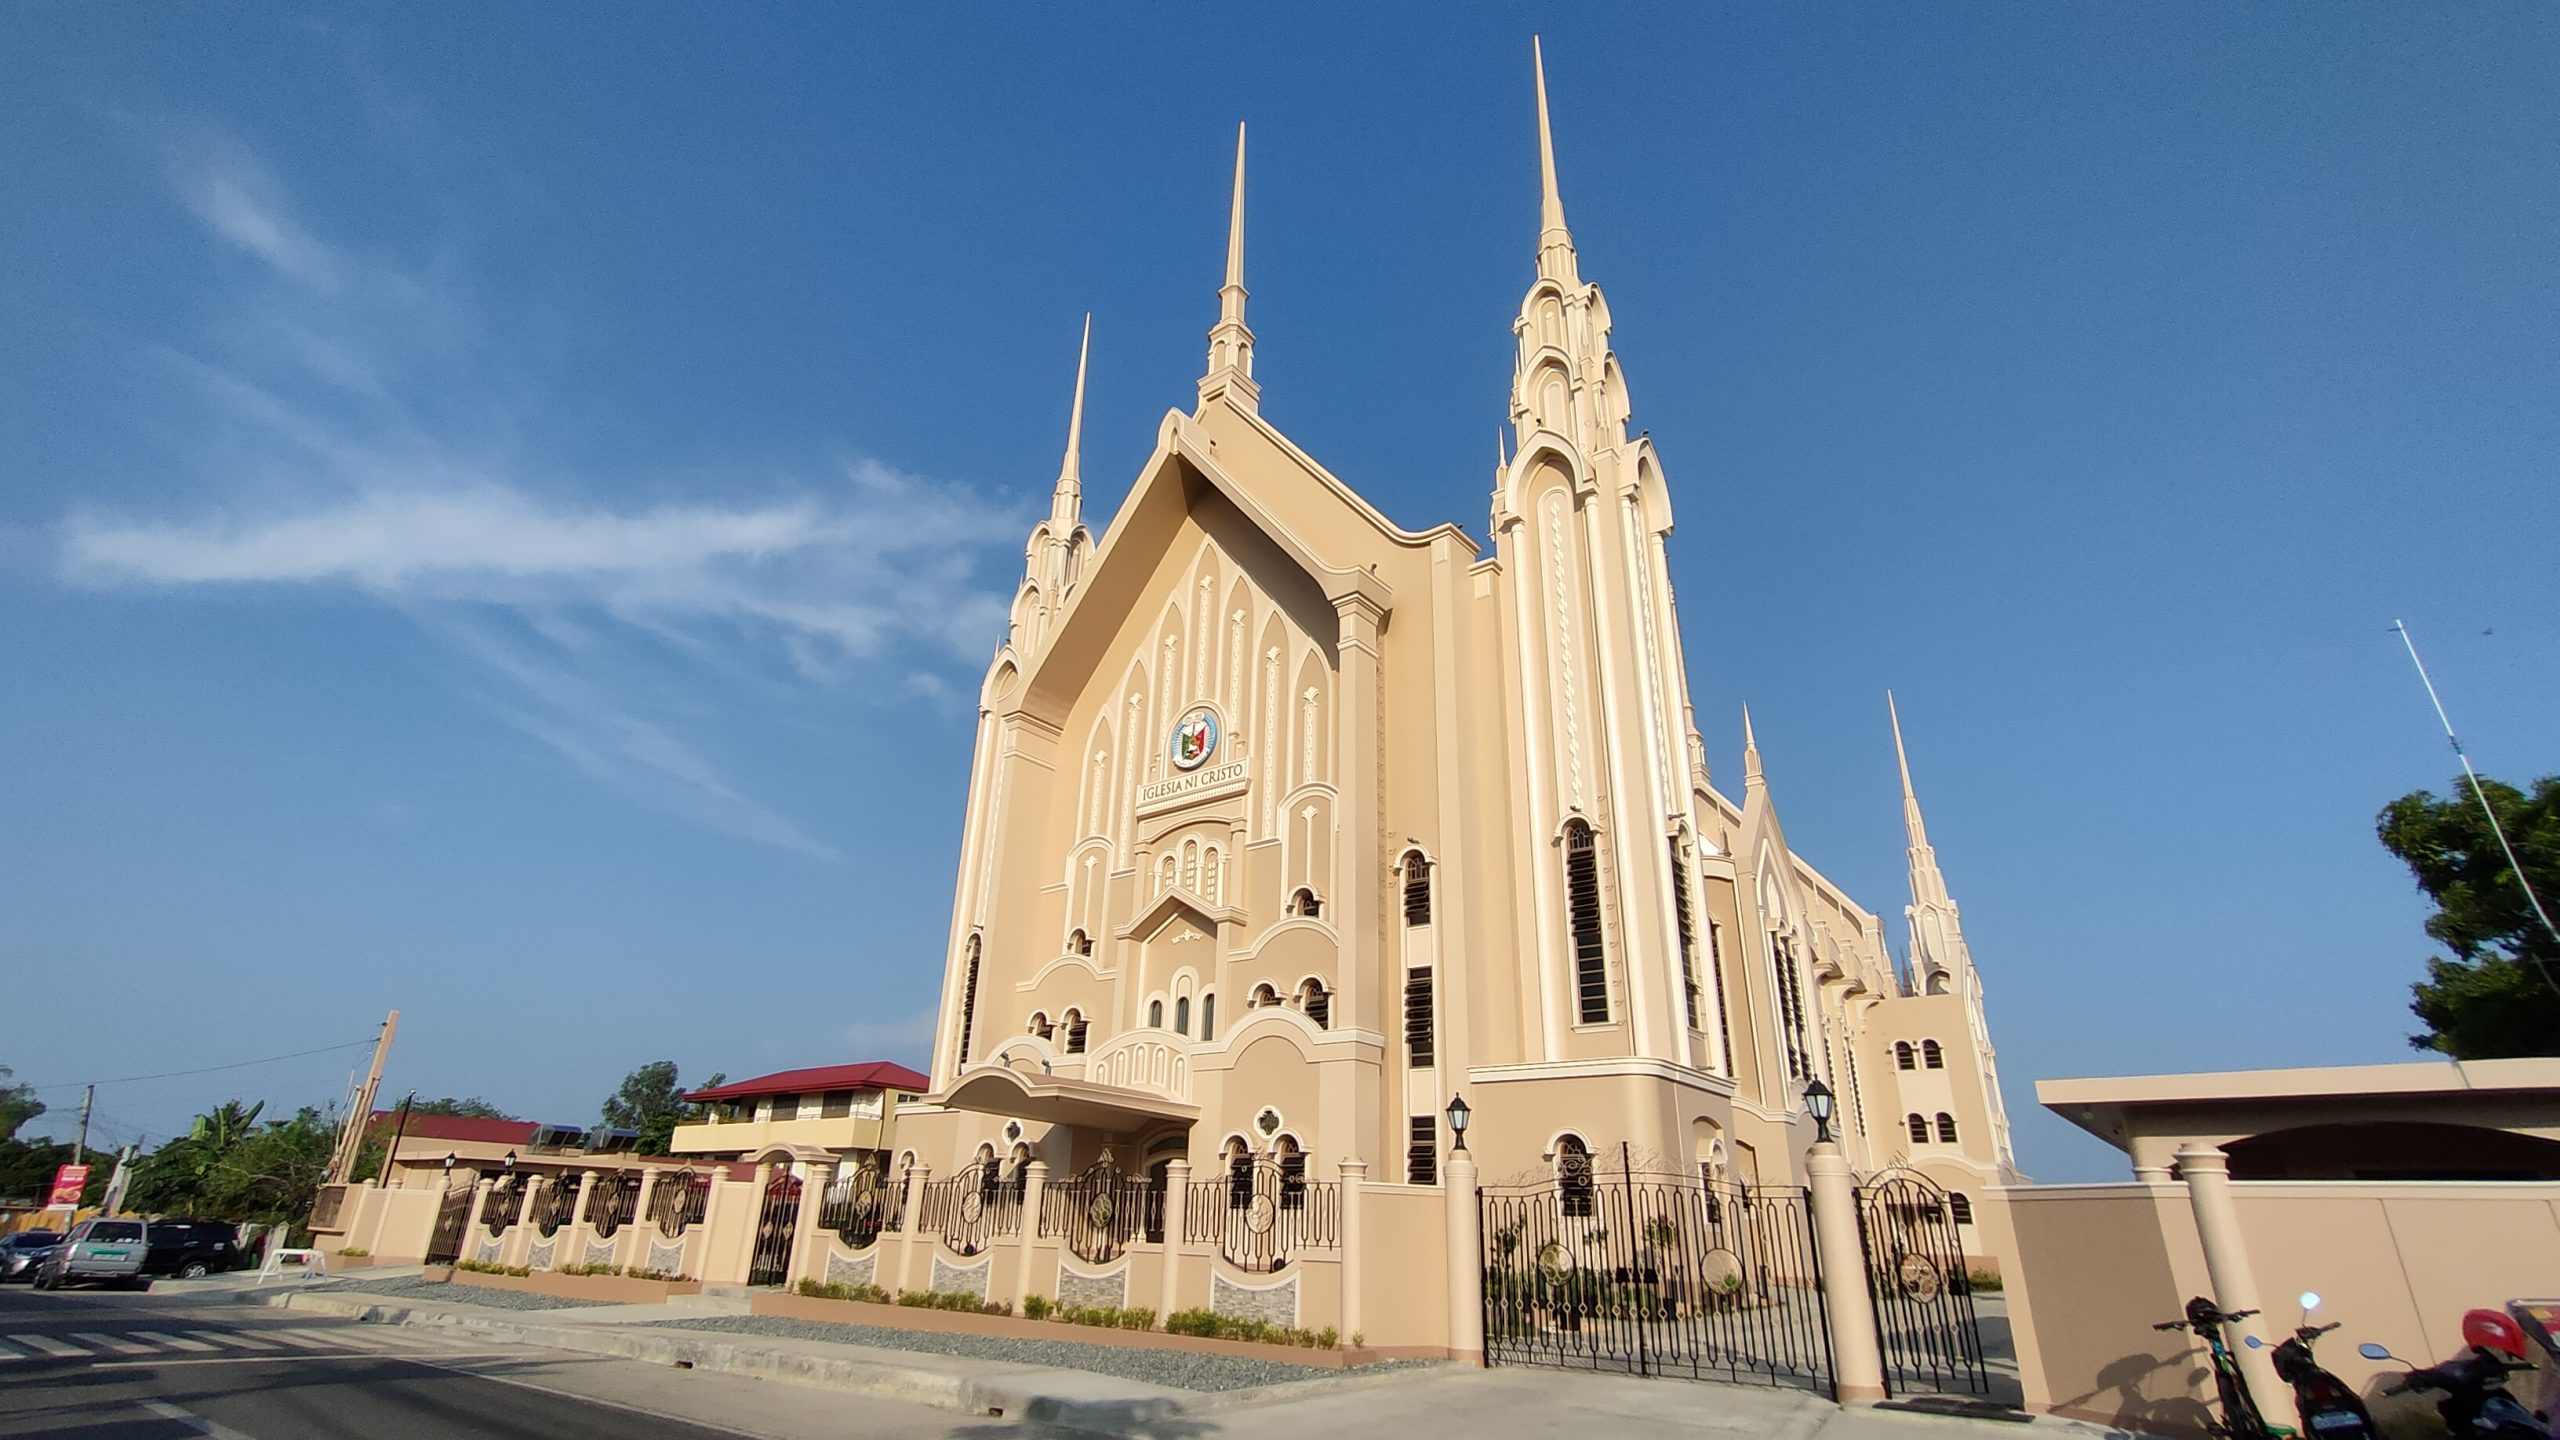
[(1288, 824)]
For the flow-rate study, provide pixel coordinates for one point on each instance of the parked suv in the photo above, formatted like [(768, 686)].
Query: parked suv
[(191, 1248), (19, 1253), (107, 1251)]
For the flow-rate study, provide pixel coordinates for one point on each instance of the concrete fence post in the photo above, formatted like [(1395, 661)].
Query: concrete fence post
[(913, 1226), (2207, 1172), (1355, 1178), (471, 1231), (573, 1249), (1857, 1356), (1466, 1258), (1035, 1185), (632, 1247), (1177, 1234)]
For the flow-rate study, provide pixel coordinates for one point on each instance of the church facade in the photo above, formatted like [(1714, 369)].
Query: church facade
[(1286, 825)]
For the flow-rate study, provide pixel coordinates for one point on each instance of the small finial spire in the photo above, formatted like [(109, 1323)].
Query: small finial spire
[(1750, 752), (1552, 234), (1063, 503), (1912, 825), (1230, 343)]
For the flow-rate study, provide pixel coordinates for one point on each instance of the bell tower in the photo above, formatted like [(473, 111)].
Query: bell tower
[(1579, 516)]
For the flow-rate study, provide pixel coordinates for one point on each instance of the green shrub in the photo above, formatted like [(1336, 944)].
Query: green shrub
[(944, 1300), (1983, 1282), (355, 1252), (482, 1267), (836, 1290), (1211, 1325)]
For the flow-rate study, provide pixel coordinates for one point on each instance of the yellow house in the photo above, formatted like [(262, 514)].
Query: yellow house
[(838, 1114)]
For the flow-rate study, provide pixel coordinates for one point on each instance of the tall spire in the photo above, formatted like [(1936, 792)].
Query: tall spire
[(1912, 825), (1937, 935), (1067, 500), (1751, 775), (1553, 239), (1230, 343)]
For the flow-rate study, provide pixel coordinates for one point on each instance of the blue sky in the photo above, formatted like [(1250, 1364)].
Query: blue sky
[(502, 509)]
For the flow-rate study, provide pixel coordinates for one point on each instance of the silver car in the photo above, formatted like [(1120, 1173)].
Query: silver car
[(20, 1253), (108, 1252)]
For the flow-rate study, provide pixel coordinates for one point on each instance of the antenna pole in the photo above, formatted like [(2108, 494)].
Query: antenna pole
[(2483, 797)]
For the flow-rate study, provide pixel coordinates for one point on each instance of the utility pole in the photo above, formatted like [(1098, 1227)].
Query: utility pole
[(80, 1146), (360, 1114)]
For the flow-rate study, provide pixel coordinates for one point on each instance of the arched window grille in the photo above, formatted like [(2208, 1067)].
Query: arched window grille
[(1182, 1015), (1239, 1175), (1590, 952), (1687, 932), (1782, 953), (1417, 888), (1041, 1026), (1919, 1127), (1079, 943), (1317, 1002), (1304, 902), (1075, 1032), (1419, 1050), (968, 1003), (1573, 1176), (1902, 1056), (1209, 1016), (1293, 1173), (1946, 1128), (1960, 1207), (1263, 994), (1932, 1056)]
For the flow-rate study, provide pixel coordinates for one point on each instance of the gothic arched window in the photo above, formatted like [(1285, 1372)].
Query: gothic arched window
[(1304, 902), (1919, 1127), (1946, 1128), (1079, 943), (1155, 1014), (1209, 1016), (1960, 1207), (968, 1004), (1590, 952), (1931, 1056), (1262, 995), (1902, 1056), (1317, 1002), (1573, 1176), (1182, 1015), (1417, 888), (1075, 1032)]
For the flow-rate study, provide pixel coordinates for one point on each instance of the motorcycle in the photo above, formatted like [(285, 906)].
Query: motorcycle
[(2328, 1407), (2240, 1419), (2477, 1404)]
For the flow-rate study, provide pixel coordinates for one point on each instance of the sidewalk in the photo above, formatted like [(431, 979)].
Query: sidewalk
[(1403, 1402)]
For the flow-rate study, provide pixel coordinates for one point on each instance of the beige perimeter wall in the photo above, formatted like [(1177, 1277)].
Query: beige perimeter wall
[(2394, 1262)]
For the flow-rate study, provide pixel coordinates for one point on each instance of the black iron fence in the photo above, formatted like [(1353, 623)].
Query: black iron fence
[(1655, 1274), (973, 1207), (860, 1203), (679, 1201), (1100, 1212), (453, 1216), (556, 1206), (505, 1205), (1924, 1301), (1262, 1213), (612, 1201), (777, 1228)]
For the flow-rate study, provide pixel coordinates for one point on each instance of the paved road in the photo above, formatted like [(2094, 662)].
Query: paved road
[(100, 1365)]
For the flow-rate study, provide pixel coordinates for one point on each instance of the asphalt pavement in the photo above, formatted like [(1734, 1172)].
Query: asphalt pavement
[(103, 1365)]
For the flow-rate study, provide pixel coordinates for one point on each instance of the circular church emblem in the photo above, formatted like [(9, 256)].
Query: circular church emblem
[(1195, 739)]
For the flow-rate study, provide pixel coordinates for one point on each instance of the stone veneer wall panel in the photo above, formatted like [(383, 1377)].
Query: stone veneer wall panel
[(843, 1269), (1110, 1289), (1270, 1304), (666, 1259), (950, 1279), (489, 1251), (539, 1257), (599, 1252)]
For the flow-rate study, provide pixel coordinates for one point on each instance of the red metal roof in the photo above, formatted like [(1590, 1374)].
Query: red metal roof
[(870, 1075), (457, 1127)]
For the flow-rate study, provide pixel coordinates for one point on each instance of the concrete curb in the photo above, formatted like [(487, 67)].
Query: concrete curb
[(1019, 1393)]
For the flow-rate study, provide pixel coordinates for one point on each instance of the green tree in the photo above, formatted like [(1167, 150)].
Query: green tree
[(652, 1102), (18, 1105), (2499, 993), (474, 1108)]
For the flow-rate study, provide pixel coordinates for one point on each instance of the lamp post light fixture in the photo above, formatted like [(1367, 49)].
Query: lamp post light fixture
[(1817, 1103), (449, 1158), (1459, 1114), (509, 1162)]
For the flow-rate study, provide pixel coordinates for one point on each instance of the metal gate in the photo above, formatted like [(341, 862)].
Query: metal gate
[(1924, 1300), (1654, 1274), (453, 1216), (770, 1263)]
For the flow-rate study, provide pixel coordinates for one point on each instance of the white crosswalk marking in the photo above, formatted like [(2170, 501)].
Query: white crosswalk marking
[(174, 1342), (302, 1338), (362, 1339), (232, 1339), (48, 1345), (117, 1343)]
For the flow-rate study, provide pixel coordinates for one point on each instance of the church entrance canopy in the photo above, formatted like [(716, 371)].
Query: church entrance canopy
[(1108, 1109)]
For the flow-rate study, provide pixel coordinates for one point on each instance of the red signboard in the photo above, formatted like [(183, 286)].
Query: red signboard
[(68, 1182)]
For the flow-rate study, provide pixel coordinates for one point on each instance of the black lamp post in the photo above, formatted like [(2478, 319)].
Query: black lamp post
[(448, 1162), (1817, 1103), (509, 1162), (1459, 1114)]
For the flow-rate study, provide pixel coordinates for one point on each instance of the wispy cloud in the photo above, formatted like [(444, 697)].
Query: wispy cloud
[(352, 427)]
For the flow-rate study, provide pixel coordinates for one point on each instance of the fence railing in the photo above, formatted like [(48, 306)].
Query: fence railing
[(612, 1200), (1261, 1214), (505, 1205), (860, 1203), (679, 1202), (973, 1207), (1100, 1212), (557, 1205)]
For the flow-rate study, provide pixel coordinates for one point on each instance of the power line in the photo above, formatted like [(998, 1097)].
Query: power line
[(205, 1070)]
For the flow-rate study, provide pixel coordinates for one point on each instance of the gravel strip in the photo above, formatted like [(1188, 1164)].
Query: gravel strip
[(488, 1297), (1179, 1369)]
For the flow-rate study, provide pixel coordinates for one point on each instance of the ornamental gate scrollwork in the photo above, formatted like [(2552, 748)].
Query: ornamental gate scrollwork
[(1263, 1212), (611, 1202), (453, 1216), (975, 1206), (860, 1203), (1098, 1213), (1924, 1297)]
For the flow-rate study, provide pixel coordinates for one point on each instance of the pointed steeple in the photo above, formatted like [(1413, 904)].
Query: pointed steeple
[(1066, 502), (1230, 343), (1928, 885), (1751, 775), (1555, 243)]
